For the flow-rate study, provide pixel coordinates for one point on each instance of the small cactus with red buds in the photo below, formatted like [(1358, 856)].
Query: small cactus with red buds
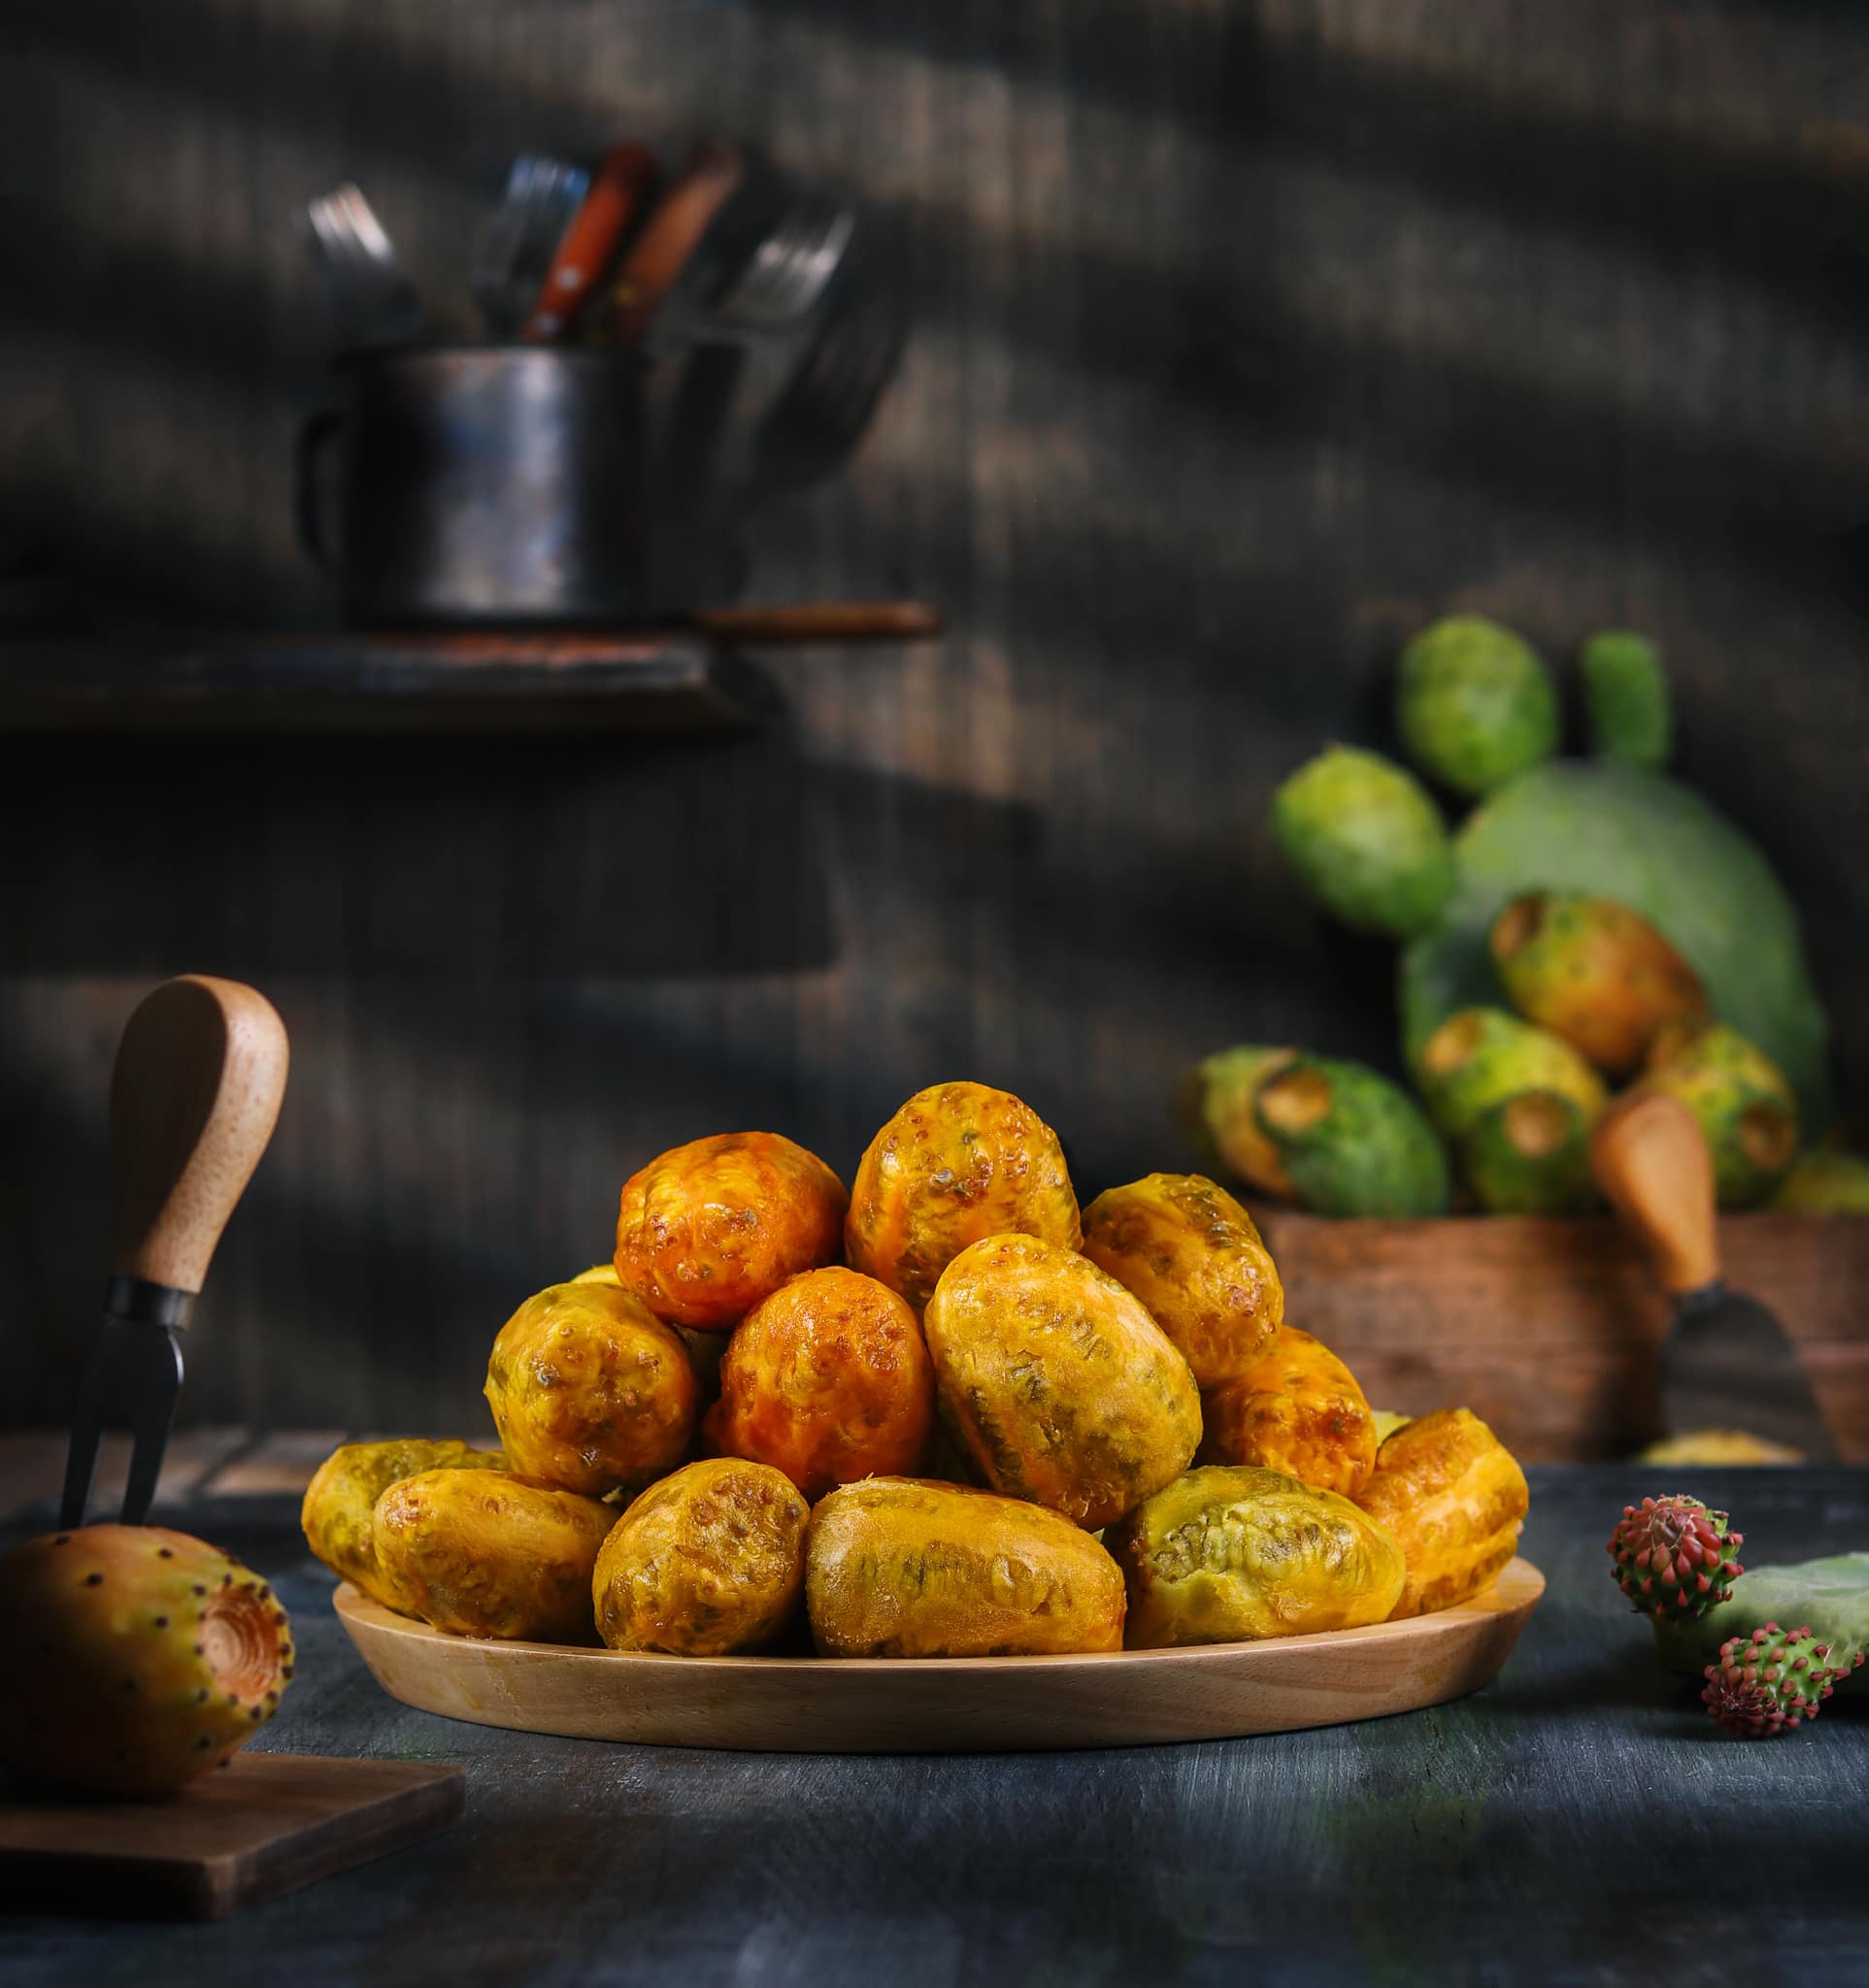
[(1770, 1682), (1673, 1558)]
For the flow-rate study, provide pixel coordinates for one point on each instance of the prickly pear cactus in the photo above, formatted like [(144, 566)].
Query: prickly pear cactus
[(1769, 1682), (134, 1659), (1366, 839), (1625, 698), (1673, 1558), (1832, 1595), (1482, 1056), (1595, 973), (1605, 828), (1740, 1100)]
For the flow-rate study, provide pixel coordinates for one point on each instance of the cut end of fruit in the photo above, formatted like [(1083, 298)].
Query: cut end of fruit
[(1518, 923), (1295, 1102), (1537, 1123), (244, 1641), (1452, 1043), (1767, 1136)]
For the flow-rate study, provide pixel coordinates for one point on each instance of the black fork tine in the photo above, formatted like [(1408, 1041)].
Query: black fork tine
[(132, 1383), (81, 1460)]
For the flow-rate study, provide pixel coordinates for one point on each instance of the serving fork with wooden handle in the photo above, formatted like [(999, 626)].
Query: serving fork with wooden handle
[(199, 1078)]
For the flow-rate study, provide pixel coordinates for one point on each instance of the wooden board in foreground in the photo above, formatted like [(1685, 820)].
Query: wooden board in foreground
[(978, 1704), (266, 1825)]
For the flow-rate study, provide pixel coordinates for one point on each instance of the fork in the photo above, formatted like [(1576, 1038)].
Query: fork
[(822, 410), (200, 1072), (521, 237), (790, 270), (371, 301)]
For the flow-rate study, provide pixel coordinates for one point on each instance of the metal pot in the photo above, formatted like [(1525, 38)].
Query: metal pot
[(483, 484)]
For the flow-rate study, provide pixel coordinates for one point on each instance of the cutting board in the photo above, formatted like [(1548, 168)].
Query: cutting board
[(264, 1825), (966, 1705)]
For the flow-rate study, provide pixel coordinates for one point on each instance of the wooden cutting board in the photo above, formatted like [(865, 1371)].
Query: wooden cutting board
[(266, 1825)]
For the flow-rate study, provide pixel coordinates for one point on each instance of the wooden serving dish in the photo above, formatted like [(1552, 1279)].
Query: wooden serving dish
[(973, 1705)]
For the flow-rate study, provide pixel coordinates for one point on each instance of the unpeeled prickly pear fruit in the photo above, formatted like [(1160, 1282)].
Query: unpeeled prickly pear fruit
[(1625, 699), (1530, 1155), (1474, 704), (1366, 841), (134, 1659), (1744, 1109), (1825, 1183), (1482, 1056), (1215, 1108), (1594, 972), (1769, 1682), (1674, 1557), (1352, 1142)]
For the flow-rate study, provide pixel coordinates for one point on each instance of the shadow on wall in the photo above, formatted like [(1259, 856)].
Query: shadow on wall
[(1222, 343)]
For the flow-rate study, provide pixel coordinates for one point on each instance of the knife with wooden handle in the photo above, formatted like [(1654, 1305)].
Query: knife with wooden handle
[(1727, 1362)]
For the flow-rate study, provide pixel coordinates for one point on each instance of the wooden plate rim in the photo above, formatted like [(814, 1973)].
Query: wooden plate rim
[(1516, 1590)]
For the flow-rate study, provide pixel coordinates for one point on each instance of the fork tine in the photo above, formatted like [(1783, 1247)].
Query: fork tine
[(152, 1441), (81, 1459)]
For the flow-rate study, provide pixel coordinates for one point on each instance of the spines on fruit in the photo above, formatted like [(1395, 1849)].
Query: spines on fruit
[(1769, 1682), (1673, 1557)]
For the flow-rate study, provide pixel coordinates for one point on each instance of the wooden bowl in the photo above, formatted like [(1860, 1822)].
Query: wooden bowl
[(973, 1705)]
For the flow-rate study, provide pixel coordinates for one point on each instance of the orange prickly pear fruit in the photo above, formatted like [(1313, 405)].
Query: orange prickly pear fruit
[(1594, 972), (137, 1659)]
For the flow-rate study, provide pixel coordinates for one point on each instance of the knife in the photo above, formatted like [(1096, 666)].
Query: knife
[(1727, 1362), (200, 1074)]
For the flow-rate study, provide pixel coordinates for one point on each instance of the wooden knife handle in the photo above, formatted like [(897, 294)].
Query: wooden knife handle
[(1652, 1165), (666, 242), (823, 621), (200, 1072), (624, 184)]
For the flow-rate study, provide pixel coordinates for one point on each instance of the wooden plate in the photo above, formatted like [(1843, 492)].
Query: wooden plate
[(973, 1705)]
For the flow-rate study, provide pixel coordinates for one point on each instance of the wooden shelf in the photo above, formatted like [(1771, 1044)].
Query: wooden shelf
[(647, 681)]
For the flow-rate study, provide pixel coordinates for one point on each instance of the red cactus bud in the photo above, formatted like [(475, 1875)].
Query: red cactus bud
[(1672, 1554)]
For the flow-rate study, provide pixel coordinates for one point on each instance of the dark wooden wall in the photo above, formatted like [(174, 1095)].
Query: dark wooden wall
[(1247, 336)]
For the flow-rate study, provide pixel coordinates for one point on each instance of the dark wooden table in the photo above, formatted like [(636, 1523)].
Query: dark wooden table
[(1580, 1821)]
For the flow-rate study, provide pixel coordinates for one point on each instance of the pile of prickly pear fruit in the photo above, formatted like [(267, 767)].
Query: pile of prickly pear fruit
[(1673, 1558), (1557, 944), (138, 1658)]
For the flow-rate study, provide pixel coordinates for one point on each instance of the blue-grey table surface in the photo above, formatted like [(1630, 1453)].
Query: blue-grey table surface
[(1579, 1821)]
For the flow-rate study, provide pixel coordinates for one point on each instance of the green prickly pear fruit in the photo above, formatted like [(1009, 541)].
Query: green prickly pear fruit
[(1673, 1557), (1825, 1183), (1215, 1108), (1352, 1142), (1474, 704), (1744, 1108), (340, 1502), (1594, 972), (1625, 699), (1769, 1682), (1530, 1155), (1366, 841), (1482, 1056), (135, 1659)]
